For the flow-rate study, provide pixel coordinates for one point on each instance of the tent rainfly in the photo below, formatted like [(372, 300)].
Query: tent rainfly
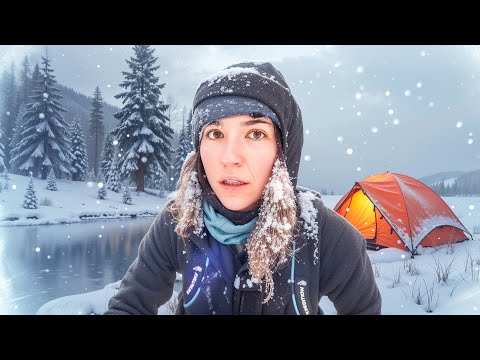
[(395, 210)]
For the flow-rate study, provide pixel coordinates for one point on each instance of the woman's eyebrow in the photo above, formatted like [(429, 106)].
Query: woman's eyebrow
[(255, 121)]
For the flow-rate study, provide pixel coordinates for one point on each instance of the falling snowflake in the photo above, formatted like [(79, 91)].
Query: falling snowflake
[(359, 113), (459, 124), (349, 151), (396, 122), (144, 159), (45, 95), (431, 104), (100, 185), (374, 129), (391, 112), (14, 187), (307, 132), (358, 96), (37, 249), (419, 85), (387, 93), (41, 116), (471, 207), (340, 139), (307, 158), (360, 69), (423, 53), (470, 141), (359, 168)]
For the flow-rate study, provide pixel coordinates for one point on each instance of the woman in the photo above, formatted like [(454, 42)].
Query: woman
[(245, 238)]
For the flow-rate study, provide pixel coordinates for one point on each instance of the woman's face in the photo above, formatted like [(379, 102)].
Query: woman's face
[(238, 153)]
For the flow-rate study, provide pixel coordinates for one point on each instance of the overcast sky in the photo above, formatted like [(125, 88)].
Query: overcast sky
[(414, 110)]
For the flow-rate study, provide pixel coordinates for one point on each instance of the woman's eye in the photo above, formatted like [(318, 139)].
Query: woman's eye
[(256, 135), (214, 134)]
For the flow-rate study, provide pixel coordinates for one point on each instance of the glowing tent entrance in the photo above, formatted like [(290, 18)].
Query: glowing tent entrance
[(394, 210)]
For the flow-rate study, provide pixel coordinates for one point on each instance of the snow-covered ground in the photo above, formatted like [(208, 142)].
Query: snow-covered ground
[(72, 202), (443, 280)]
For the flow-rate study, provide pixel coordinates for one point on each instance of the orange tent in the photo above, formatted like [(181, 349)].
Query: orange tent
[(394, 210)]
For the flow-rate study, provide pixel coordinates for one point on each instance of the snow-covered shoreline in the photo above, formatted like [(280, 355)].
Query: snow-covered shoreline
[(74, 202)]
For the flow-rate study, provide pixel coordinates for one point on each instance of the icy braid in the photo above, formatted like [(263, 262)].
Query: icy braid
[(185, 204), (269, 244)]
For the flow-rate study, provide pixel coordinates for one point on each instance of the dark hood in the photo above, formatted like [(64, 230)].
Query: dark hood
[(261, 81)]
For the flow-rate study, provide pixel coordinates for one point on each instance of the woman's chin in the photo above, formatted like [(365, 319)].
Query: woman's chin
[(238, 206)]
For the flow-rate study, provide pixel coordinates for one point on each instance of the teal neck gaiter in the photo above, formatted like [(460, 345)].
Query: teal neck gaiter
[(223, 230)]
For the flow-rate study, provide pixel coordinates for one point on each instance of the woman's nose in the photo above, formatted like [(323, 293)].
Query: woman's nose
[(232, 153)]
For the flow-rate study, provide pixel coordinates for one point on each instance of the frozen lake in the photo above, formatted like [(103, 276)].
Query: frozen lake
[(44, 262)]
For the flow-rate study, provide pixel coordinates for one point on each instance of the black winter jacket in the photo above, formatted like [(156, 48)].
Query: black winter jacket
[(331, 261)]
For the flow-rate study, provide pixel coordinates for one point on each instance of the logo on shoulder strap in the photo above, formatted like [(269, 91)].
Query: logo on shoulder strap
[(303, 300)]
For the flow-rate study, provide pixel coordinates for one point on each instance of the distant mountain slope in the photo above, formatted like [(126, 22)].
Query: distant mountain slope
[(441, 176), (466, 183)]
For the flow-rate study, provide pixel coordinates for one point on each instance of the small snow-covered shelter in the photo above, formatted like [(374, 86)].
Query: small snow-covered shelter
[(395, 210)]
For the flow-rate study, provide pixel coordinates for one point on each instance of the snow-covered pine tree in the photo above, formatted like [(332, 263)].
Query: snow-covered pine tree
[(51, 183), (157, 180), (30, 200), (24, 87), (188, 128), (10, 109), (2, 154), (160, 183), (143, 133), (183, 149), (17, 136), (79, 150), (6, 179), (91, 176), (127, 196), (108, 152), (33, 82), (97, 128), (113, 182), (45, 139), (102, 188)]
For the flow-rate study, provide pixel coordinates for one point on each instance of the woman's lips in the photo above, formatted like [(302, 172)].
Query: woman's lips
[(230, 187)]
